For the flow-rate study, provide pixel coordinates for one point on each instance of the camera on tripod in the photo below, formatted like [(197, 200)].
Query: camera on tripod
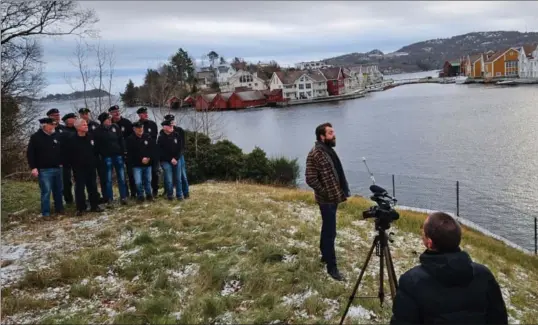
[(384, 212)]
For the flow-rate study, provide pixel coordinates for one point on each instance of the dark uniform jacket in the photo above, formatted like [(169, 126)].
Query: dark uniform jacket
[(181, 134), (169, 146), (81, 152), (126, 127), (150, 128), (448, 288), (45, 151), (109, 141), (140, 147), (92, 126), (322, 177)]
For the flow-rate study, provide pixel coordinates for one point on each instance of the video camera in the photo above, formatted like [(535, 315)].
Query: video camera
[(384, 212)]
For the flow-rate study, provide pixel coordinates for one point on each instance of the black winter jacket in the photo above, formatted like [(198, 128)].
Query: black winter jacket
[(448, 288), (109, 141), (140, 147), (150, 128), (169, 146), (92, 126), (45, 151), (126, 127), (81, 152)]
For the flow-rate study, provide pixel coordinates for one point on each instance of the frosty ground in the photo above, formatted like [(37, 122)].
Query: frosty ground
[(233, 253)]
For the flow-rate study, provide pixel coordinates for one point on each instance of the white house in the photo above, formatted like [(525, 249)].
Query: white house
[(224, 72), (243, 79), (299, 84), (528, 61)]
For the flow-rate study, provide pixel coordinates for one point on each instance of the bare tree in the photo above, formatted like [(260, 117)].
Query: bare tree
[(22, 79), (95, 64), (50, 18), (111, 56), (80, 61)]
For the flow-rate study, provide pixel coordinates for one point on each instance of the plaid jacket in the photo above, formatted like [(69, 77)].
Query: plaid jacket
[(322, 177)]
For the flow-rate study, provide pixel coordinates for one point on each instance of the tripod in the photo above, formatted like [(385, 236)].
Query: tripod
[(382, 250)]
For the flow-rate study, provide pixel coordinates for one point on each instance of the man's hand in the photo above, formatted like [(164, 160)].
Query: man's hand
[(174, 161), (145, 160), (35, 172)]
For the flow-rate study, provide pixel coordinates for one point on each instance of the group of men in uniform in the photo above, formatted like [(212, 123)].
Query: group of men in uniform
[(84, 149)]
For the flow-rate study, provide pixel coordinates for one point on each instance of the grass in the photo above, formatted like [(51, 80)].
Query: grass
[(233, 253)]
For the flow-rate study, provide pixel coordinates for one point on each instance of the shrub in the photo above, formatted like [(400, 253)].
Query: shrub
[(226, 161), (284, 171), (257, 167)]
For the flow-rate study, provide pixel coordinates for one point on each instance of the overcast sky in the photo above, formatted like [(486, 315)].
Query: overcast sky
[(146, 33)]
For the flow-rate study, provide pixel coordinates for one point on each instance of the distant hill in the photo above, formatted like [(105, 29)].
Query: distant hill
[(94, 93), (431, 54)]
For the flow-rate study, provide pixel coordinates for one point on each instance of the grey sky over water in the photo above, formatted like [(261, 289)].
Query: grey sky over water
[(146, 33)]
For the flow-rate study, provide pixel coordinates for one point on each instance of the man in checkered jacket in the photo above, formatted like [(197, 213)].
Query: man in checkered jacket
[(325, 175)]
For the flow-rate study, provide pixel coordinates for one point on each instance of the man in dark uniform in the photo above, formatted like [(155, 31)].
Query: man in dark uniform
[(183, 170), (111, 148), (169, 145), (84, 113), (44, 155), (126, 130), (81, 154), (54, 114), (150, 127), (141, 151), (66, 132)]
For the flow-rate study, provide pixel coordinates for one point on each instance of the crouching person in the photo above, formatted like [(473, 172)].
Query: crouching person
[(81, 153), (140, 150), (447, 287), (169, 144)]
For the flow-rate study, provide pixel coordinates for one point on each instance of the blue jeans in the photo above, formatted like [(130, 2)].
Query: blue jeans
[(142, 178), (184, 182), (172, 176), (117, 163), (328, 234), (50, 180)]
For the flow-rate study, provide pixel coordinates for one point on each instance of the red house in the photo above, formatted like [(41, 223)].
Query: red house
[(247, 99), (220, 102), (203, 102), (173, 102), (189, 101), (335, 80), (273, 96)]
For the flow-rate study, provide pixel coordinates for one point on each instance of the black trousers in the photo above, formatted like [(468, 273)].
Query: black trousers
[(131, 188), (328, 234), (101, 170), (85, 179), (67, 183), (155, 176)]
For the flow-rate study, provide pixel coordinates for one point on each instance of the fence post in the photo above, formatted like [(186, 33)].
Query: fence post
[(535, 236), (458, 198), (393, 187)]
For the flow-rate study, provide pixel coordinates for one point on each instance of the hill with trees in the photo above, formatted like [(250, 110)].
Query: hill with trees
[(431, 54)]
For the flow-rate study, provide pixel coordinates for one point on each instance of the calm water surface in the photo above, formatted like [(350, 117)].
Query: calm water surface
[(429, 136)]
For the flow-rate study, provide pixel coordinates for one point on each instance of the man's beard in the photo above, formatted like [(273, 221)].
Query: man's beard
[(330, 143)]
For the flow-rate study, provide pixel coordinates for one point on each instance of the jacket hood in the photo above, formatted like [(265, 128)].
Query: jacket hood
[(450, 269)]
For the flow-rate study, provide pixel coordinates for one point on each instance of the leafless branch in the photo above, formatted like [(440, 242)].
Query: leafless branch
[(49, 18)]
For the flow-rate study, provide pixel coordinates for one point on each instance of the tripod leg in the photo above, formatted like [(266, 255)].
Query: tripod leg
[(374, 244), (381, 293), (393, 281)]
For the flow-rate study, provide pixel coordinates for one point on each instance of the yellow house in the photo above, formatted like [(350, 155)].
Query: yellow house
[(477, 66), (504, 63)]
